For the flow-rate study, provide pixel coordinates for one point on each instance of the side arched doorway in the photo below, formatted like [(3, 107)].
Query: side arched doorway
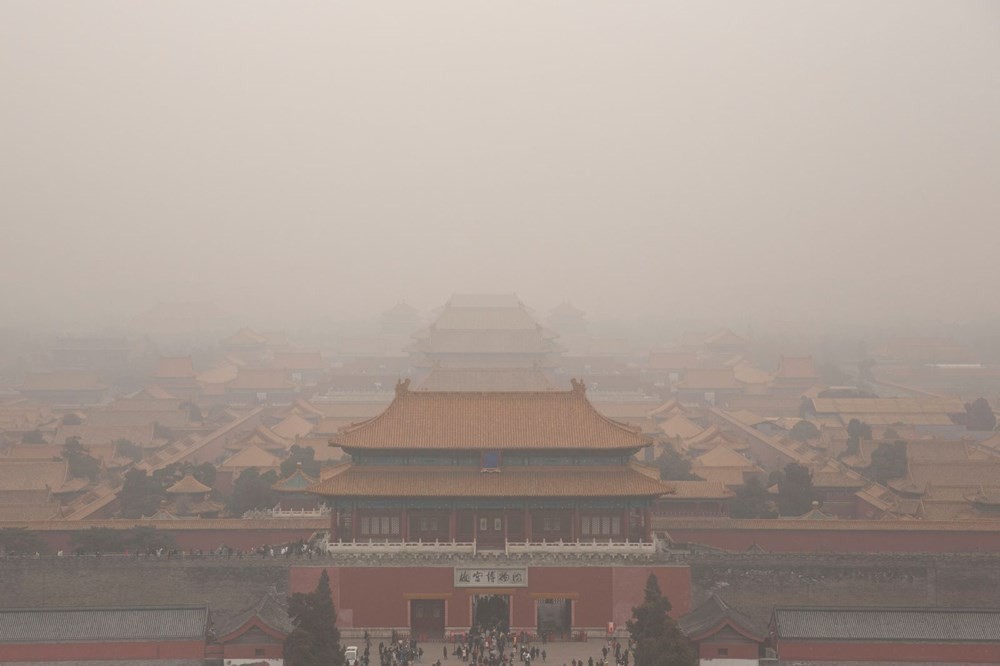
[(427, 619), (555, 618)]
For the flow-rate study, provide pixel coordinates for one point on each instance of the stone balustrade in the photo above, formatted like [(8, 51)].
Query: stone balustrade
[(594, 547), (400, 547)]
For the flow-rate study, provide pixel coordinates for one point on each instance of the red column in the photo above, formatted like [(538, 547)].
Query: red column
[(527, 524), (453, 524), (334, 526), (354, 523), (648, 519), (576, 523), (404, 527), (626, 532)]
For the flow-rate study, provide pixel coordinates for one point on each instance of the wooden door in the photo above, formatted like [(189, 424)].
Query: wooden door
[(427, 619), (491, 530)]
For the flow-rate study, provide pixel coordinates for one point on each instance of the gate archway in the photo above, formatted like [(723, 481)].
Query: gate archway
[(491, 611)]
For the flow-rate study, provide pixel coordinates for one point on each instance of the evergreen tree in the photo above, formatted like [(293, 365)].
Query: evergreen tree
[(856, 431), (81, 464), (33, 437), (795, 490), (803, 431), (979, 415), (128, 449), (888, 461), (673, 466), (140, 495), (657, 638), (753, 501), (315, 639), (252, 490)]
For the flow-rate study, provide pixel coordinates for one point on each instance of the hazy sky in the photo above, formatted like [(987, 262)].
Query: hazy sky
[(798, 158)]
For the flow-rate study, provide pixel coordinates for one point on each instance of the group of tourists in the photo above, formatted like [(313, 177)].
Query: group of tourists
[(493, 647), (612, 654), (486, 647), (398, 652)]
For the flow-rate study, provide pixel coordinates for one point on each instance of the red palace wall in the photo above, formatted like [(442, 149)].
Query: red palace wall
[(370, 597), (101, 651), (782, 537), (708, 650), (233, 535), (249, 651), (975, 653)]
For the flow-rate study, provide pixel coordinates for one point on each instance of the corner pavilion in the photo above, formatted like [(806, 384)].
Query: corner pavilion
[(490, 468)]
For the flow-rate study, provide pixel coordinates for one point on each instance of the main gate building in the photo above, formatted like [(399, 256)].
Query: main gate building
[(491, 468), (523, 509)]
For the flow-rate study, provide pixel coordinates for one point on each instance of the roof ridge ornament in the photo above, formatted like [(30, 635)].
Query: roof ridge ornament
[(579, 386), (403, 386)]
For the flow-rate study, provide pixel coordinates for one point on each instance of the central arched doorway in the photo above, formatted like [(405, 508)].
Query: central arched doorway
[(491, 611)]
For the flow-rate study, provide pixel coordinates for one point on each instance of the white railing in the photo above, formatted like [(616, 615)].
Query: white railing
[(398, 547), (581, 547), (278, 512)]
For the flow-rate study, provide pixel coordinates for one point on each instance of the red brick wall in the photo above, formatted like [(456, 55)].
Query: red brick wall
[(734, 650), (785, 539), (977, 653), (242, 539), (98, 651), (378, 596), (249, 650)]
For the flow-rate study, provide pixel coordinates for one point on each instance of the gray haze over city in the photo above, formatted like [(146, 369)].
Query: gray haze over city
[(740, 162)]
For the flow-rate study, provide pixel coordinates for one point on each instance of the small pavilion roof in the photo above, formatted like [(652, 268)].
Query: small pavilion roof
[(251, 456), (680, 426), (714, 614), (188, 486), (292, 426), (496, 420), (268, 610), (723, 456), (297, 482)]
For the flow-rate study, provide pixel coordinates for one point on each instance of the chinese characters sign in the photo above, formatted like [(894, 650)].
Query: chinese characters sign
[(491, 577)]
